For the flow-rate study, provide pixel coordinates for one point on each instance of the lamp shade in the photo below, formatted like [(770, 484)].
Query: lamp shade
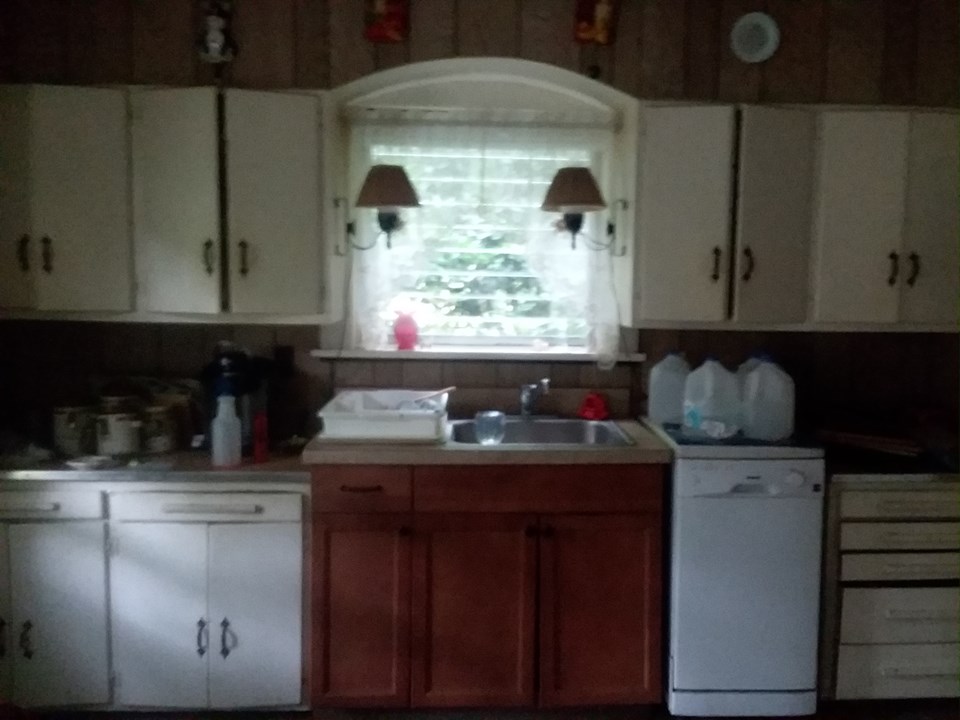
[(387, 186), (573, 190)]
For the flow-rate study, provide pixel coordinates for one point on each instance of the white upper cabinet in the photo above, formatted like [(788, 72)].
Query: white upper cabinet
[(930, 276), (64, 199), (775, 177), (176, 201), (859, 215), (683, 237), (273, 204)]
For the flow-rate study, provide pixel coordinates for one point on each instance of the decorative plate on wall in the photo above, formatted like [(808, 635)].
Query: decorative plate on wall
[(755, 37)]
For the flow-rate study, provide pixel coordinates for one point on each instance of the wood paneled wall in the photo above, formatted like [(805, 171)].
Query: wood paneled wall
[(849, 51)]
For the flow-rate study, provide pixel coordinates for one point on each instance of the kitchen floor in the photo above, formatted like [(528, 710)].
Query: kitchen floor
[(875, 710)]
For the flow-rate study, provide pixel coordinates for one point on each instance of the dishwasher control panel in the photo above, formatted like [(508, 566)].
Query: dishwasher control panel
[(762, 478)]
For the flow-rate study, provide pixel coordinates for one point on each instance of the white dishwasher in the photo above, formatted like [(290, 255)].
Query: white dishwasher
[(745, 580)]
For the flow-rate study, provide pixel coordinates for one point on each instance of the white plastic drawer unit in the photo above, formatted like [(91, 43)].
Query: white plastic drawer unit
[(51, 505), (900, 615), (895, 567), (898, 671), (206, 507), (900, 536), (905, 504)]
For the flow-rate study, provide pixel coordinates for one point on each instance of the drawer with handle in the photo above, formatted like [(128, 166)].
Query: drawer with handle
[(898, 671), (900, 615), (51, 505), (907, 504), (206, 507), (861, 567), (900, 536), (362, 488)]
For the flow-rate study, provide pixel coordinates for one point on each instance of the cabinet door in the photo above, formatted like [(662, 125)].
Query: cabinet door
[(273, 178), (361, 608), (18, 255), (58, 582), (599, 610), (684, 215), (255, 590), (858, 222), (775, 178), (161, 638), (80, 198), (6, 620), (176, 200), (474, 584), (931, 288)]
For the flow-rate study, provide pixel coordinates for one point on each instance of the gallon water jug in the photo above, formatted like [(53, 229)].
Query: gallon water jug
[(768, 403), (711, 402), (745, 367), (667, 380)]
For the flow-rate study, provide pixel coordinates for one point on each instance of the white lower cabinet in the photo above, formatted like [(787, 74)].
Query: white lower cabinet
[(53, 613), (207, 600)]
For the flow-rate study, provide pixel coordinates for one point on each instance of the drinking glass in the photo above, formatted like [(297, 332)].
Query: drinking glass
[(490, 427)]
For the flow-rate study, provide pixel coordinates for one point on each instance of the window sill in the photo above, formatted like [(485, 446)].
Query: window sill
[(448, 353)]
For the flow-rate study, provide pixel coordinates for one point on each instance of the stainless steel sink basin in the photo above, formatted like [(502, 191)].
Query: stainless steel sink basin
[(549, 431)]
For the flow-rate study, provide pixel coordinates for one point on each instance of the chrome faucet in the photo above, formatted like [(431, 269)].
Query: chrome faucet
[(529, 394)]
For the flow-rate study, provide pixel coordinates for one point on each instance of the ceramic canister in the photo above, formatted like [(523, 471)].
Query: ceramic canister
[(118, 434), (74, 433)]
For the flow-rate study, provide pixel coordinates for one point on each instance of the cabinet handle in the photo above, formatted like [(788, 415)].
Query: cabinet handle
[(47, 508), (405, 531), (203, 637), (201, 509), (547, 531), (918, 615), (208, 256), (921, 671), (23, 256), (530, 531), (244, 259), (914, 268), (716, 264), (3, 638), (47, 254), (225, 631), (751, 264), (25, 640), (361, 488), (894, 268)]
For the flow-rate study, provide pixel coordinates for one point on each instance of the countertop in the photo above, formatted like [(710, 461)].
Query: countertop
[(646, 449)]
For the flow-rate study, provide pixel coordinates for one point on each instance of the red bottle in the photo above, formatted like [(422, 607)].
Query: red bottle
[(405, 331)]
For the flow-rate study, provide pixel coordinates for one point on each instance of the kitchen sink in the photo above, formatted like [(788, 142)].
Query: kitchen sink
[(548, 431)]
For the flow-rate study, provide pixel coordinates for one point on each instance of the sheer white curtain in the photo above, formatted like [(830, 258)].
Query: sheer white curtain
[(502, 167)]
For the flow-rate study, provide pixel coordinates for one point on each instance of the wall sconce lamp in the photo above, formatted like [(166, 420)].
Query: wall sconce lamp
[(573, 192), (386, 188)]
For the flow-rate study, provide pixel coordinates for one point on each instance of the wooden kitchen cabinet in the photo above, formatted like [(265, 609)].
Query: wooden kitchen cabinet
[(473, 586), (271, 263), (599, 610), (683, 253), (64, 206), (773, 214), (474, 609), (361, 593), (204, 587), (930, 282)]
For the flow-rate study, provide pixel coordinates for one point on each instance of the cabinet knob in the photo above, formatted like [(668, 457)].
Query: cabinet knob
[(914, 259), (46, 254), (547, 531), (405, 531), (530, 531), (202, 637), (750, 265), (894, 268), (244, 257), (23, 255), (3, 638), (717, 254), (208, 256), (224, 633), (25, 645)]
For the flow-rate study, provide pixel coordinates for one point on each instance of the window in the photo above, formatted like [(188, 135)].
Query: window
[(480, 263)]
